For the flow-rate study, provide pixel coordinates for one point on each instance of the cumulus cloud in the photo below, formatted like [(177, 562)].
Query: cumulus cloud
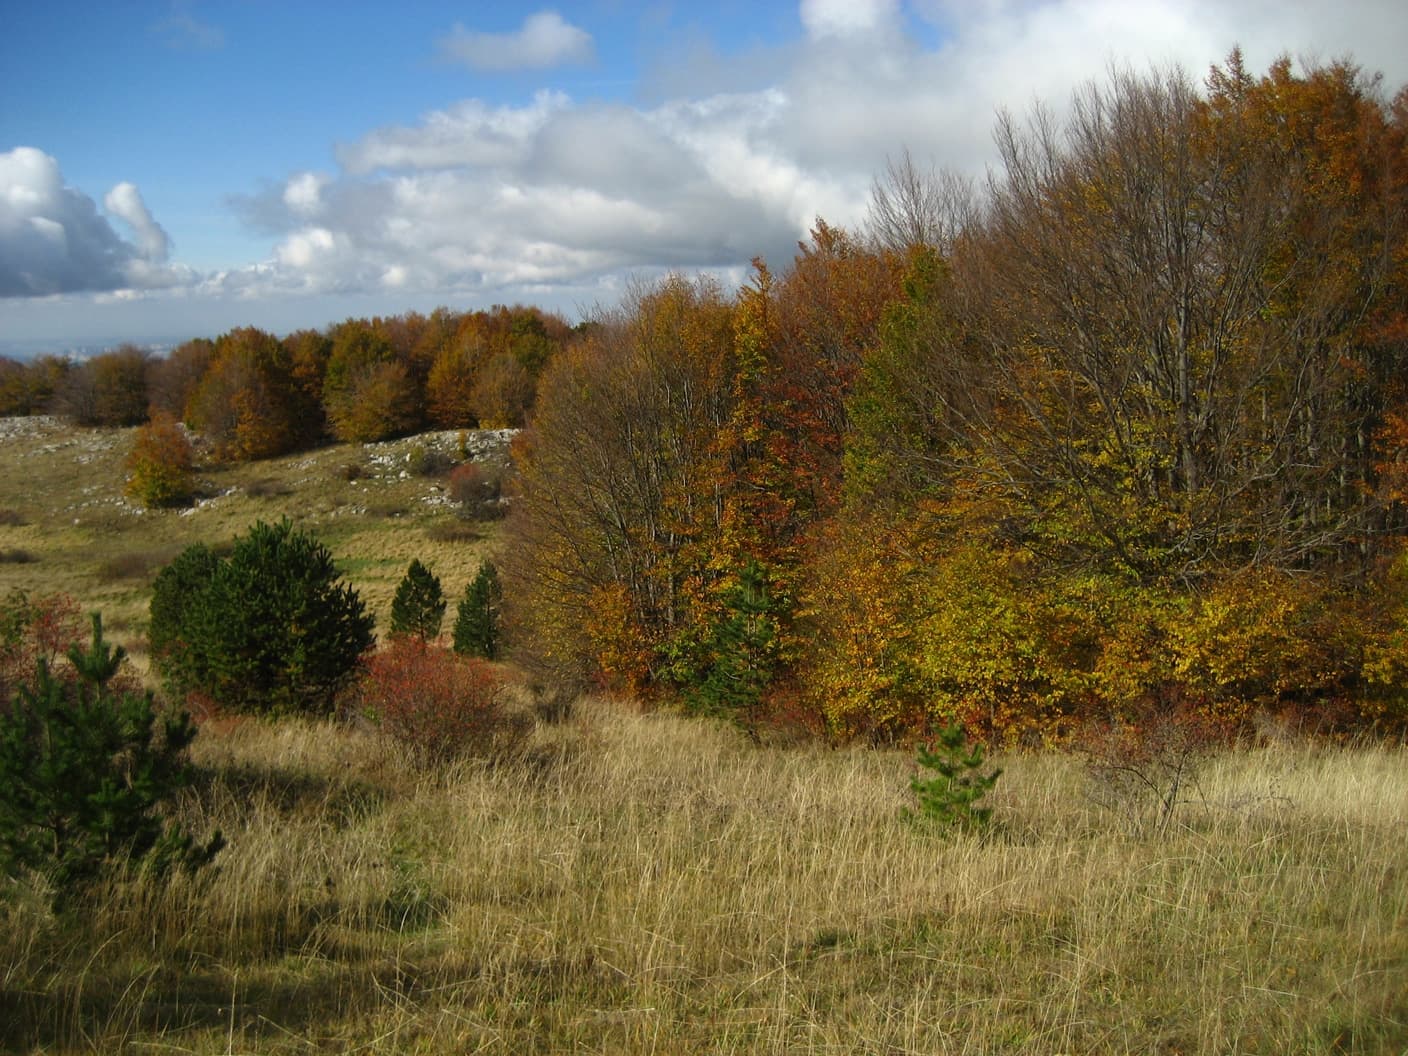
[(843, 18), (557, 194), (469, 134), (545, 40), (54, 240), (549, 194), (303, 195), (125, 202)]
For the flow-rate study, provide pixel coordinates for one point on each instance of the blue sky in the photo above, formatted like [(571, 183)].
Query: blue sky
[(171, 168)]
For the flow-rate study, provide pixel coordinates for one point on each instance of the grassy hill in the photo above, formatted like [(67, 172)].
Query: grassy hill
[(66, 527)]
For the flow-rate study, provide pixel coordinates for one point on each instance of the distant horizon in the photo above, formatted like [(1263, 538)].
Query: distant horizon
[(84, 348), (90, 344)]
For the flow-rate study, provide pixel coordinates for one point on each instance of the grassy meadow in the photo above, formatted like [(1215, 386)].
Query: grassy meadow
[(634, 882), (641, 883), (66, 527)]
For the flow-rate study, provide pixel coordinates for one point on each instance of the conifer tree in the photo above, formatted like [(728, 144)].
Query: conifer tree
[(419, 605), (270, 628), (741, 651), (477, 617), (84, 773), (950, 797)]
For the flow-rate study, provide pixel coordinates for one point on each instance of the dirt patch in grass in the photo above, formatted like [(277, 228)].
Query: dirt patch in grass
[(136, 564)]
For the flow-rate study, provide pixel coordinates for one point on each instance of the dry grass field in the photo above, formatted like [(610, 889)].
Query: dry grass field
[(632, 883), (648, 884)]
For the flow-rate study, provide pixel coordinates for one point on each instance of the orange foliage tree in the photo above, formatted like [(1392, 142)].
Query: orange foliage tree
[(368, 392), (248, 403), (160, 465)]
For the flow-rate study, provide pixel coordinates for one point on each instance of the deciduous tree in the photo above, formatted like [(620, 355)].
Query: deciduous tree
[(160, 465)]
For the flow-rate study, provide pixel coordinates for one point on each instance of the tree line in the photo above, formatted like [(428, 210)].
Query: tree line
[(255, 395)]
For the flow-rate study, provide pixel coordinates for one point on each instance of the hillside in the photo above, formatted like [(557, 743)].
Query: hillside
[(66, 527)]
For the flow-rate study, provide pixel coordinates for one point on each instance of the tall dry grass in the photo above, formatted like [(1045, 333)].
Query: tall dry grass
[(643, 884)]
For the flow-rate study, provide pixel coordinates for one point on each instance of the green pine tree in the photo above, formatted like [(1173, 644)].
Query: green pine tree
[(270, 628), (85, 772), (951, 796), (477, 617), (419, 605), (742, 650)]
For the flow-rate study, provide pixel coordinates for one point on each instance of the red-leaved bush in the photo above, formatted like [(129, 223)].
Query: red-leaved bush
[(32, 629), (438, 703), (44, 627)]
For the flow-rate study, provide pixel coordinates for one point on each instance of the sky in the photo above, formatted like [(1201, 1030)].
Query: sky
[(176, 168)]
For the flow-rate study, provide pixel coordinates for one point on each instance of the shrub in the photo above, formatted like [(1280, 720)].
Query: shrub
[(1146, 768), (12, 518), (419, 605), (267, 488), (85, 773), (34, 629), (951, 795), (454, 531), (270, 628), (16, 556), (428, 461), (134, 564), (436, 703), (477, 617), (478, 491), (387, 510), (159, 467)]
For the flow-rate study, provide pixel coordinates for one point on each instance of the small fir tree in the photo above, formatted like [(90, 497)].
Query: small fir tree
[(84, 773), (419, 606), (741, 651), (477, 617), (951, 796)]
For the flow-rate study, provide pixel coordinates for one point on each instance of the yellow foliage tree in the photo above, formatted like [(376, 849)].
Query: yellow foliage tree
[(160, 464)]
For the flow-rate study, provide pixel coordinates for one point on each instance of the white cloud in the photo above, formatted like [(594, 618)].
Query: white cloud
[(303, 194), (842, 18), (125, 202), (545, 40), (53, 239), (488, 199), (555, 194), (470, 133), (556, 200)]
